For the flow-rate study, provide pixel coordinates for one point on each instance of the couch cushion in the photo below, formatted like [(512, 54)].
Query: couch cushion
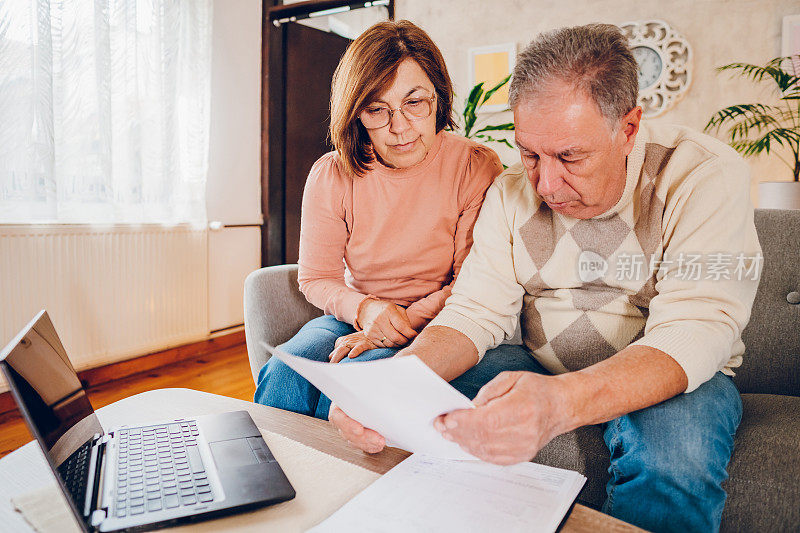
[(764, 484), (772, 338), (763, 489), (582, 450)]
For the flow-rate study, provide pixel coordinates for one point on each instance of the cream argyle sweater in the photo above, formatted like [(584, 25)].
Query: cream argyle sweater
[(673, 265)]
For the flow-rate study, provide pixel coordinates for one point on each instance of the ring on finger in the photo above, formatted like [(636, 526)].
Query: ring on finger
[(383, 339)]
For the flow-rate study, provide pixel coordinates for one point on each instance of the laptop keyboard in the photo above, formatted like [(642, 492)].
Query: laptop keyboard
[(160, 468), (74, 472)]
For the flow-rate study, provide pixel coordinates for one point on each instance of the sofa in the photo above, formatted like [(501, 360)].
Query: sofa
[(764, 473)]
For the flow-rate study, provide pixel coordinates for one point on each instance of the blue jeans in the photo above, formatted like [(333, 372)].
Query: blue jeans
[(668, 461)]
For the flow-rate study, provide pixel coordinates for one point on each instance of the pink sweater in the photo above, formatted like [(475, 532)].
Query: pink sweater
[(398, 234)]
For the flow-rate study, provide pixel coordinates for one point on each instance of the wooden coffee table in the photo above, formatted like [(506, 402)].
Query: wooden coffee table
[(25, 469)]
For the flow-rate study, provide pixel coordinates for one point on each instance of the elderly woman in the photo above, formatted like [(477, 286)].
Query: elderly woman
[(387, 217)]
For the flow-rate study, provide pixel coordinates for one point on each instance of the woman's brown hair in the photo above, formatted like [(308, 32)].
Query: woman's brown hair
[(367, 69)]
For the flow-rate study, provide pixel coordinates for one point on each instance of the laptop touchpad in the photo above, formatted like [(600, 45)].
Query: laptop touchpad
[(232, 453)]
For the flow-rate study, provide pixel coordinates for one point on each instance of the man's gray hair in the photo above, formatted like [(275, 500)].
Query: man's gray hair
[(595, 59)]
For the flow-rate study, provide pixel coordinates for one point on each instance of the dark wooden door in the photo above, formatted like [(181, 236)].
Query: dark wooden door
[(311, 57)]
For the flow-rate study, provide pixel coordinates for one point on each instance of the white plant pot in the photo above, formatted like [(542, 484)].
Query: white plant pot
[(779, 195)]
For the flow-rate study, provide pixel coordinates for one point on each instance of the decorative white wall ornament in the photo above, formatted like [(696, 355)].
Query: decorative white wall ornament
[(665, 64)]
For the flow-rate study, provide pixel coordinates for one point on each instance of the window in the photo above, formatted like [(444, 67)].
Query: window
[(104, 109)]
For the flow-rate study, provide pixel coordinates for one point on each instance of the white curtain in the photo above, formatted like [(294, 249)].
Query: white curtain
[(104, 110)]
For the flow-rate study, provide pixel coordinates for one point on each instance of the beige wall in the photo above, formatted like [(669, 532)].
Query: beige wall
[(719, 31)]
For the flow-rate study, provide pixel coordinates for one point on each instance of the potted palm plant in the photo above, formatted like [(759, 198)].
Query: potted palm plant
[(761, 128)]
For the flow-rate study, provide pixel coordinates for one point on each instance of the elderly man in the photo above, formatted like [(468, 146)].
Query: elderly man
[(630, 254)]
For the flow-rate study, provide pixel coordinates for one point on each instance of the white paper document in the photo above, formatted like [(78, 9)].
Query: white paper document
[(425, 493), (397, 397)]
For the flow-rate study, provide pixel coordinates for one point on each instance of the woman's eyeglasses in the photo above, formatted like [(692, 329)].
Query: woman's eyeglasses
[(377, 116)]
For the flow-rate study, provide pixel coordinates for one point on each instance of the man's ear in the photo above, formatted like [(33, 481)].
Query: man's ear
[(630, 127)]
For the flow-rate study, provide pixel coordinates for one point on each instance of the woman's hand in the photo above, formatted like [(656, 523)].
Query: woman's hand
[(363, 438), (385, 324), (351, 346)]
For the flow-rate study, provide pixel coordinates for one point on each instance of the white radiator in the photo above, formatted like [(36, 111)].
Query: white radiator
[(112, 292)]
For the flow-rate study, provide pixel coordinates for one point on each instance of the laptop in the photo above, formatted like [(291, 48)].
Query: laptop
[(135, 477)]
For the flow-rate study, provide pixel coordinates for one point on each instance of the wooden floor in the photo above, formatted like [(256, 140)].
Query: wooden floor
[(226, 372)]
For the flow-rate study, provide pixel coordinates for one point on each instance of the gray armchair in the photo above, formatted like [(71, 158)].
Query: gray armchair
[(763, 488), (274, 310)]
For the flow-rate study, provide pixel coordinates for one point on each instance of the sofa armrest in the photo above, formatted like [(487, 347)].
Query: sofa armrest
[(274, 310)]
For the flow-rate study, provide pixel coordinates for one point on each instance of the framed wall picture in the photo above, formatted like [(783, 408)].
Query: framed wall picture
[(790, 45), (490, 64)]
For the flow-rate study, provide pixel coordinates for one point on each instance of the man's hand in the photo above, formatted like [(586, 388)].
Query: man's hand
[(516, 414), (385, 324), (365, 439), (351, 345)]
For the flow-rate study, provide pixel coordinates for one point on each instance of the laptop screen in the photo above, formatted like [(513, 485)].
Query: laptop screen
[(48, 390)]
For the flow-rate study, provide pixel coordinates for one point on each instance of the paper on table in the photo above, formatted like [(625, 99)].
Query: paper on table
[(425, 493), (398, 397)]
